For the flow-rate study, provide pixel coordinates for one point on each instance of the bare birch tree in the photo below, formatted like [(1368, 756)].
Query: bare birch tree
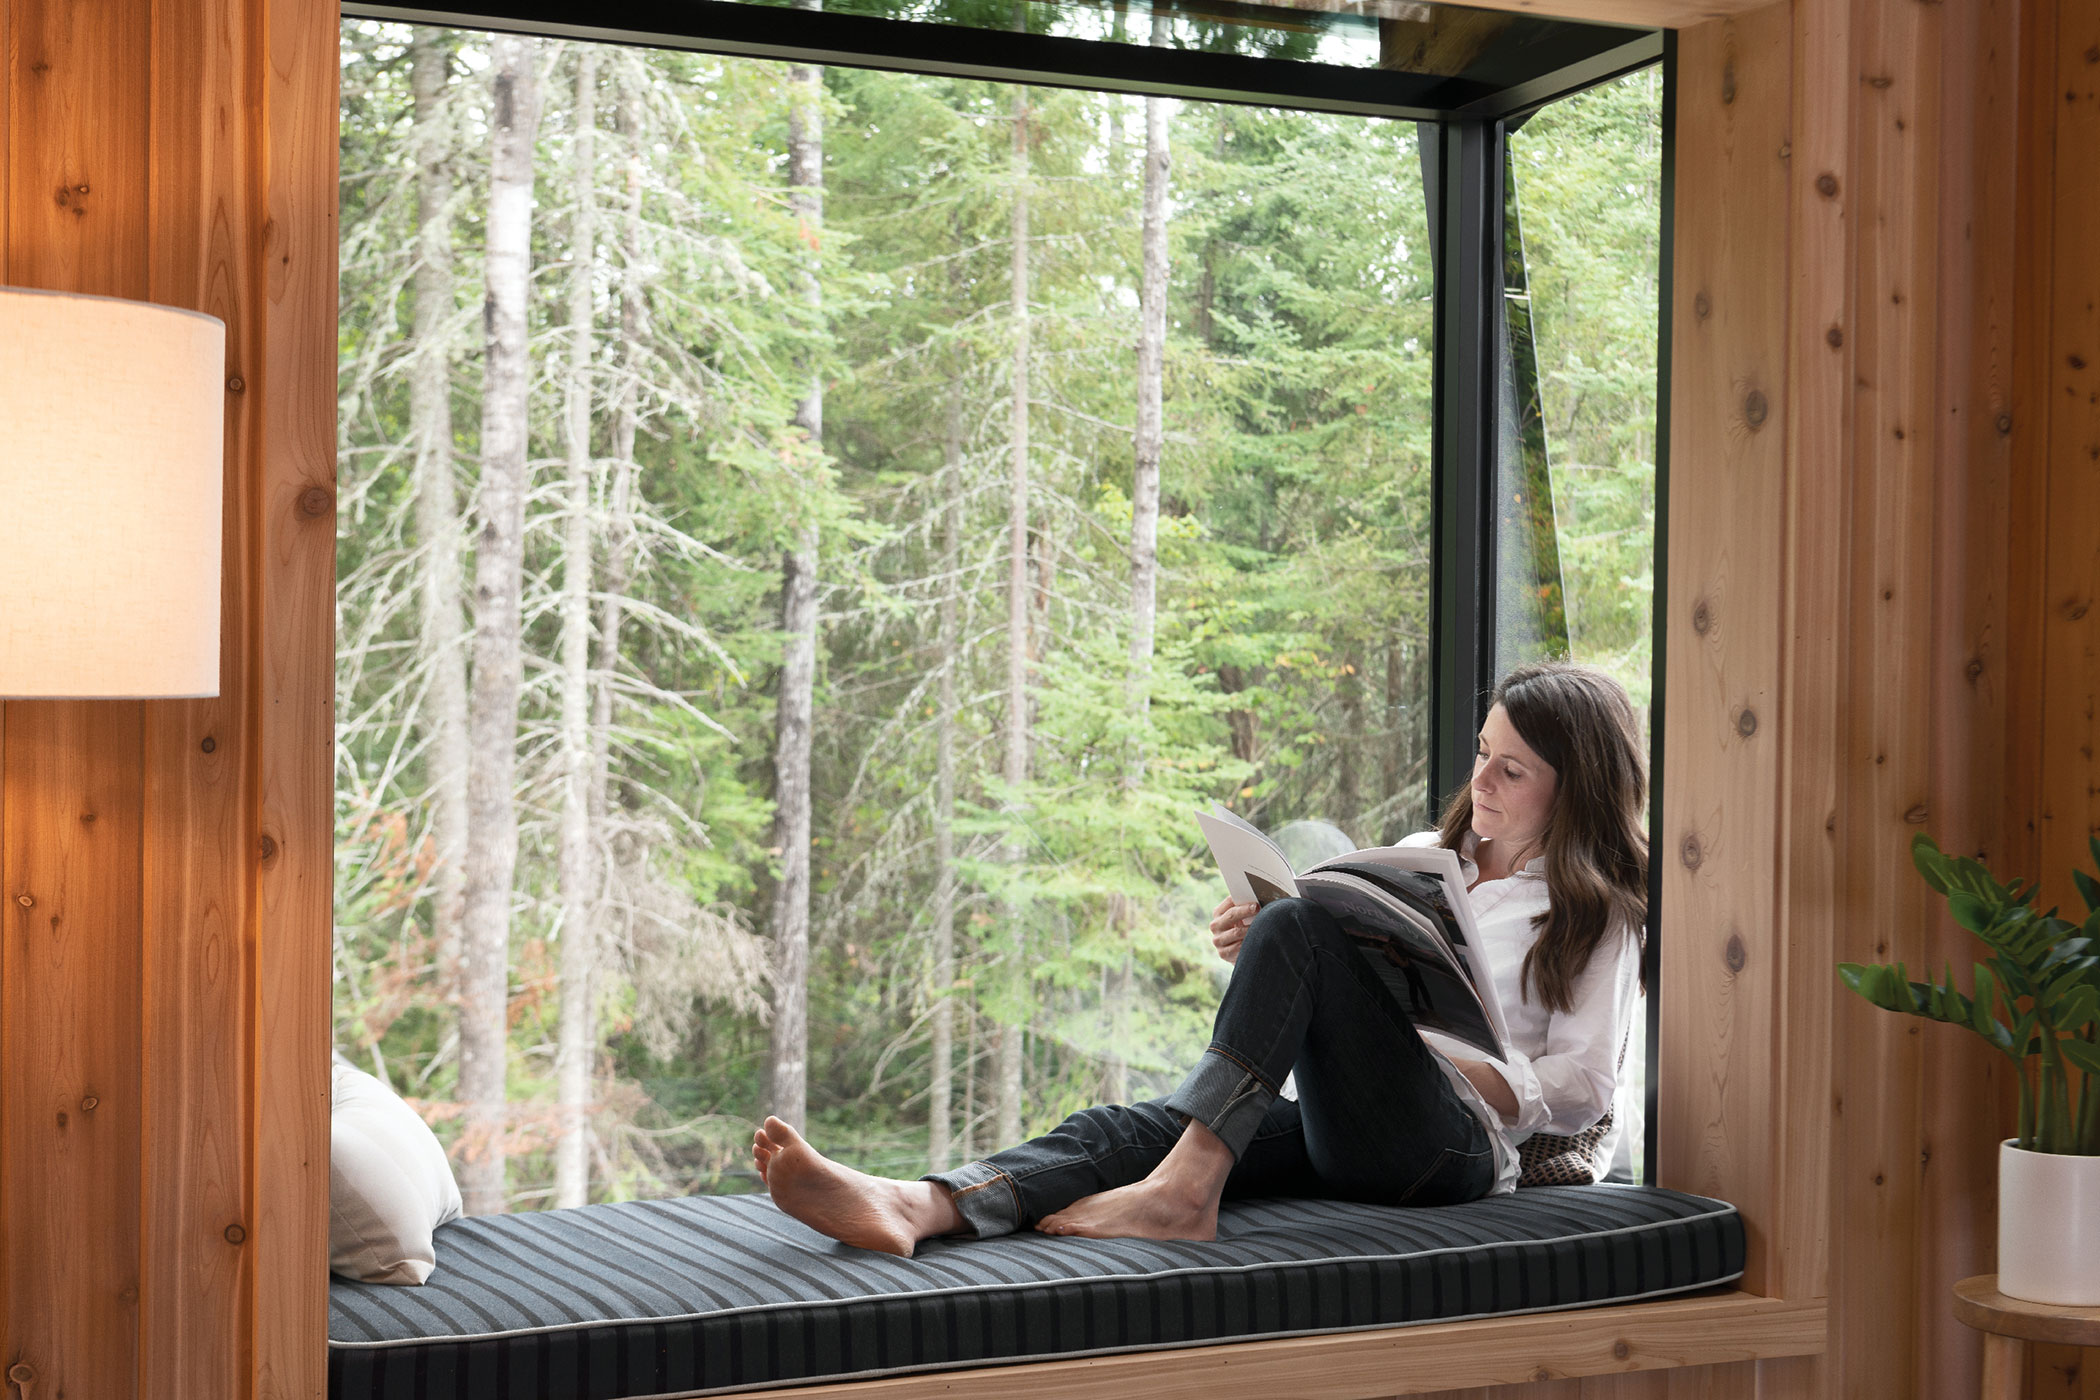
[(437, 495), (492, 724), (1006, 1110), (576, 1047), (1148, 440), (798, 662)]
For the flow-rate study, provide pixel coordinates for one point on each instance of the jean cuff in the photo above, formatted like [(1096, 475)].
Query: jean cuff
[(985, 1197), (1225, 1095)]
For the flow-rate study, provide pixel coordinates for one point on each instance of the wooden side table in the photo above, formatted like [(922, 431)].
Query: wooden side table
[(2009, 1324)]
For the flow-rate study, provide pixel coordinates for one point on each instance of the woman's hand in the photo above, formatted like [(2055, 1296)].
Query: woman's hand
[(1228, 926)]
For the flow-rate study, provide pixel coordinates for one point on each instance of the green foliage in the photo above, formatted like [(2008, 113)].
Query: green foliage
[(1290, 668), (2036, 1000)]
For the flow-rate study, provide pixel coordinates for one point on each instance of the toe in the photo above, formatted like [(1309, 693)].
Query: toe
[(782, 1134)]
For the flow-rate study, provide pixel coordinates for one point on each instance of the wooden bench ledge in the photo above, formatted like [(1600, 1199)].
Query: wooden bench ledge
[(1694, 1331)]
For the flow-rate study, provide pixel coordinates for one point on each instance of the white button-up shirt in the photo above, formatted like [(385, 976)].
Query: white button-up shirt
[(1563, 1066)]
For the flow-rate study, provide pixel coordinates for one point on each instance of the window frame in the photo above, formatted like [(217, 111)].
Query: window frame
[(1470, 124)]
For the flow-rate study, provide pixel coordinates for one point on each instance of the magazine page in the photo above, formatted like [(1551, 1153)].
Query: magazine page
[(1254, 867), (1412, 958), (1444, 892)]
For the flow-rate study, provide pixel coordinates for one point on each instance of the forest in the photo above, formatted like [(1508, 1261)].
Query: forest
[(811, 539)]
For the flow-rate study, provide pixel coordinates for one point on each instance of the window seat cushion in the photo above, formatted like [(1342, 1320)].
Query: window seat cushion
[(656, 1298)]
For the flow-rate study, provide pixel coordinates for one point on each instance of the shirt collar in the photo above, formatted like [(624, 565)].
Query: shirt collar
[(1468, 843)]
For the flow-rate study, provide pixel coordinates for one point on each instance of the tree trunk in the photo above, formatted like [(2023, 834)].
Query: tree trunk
[(620, 537), (437, 500), (940, 1146), (577, 1043), (1150, 435), (1144, 535), (1006, 1112), (492, 832), (798, 665)]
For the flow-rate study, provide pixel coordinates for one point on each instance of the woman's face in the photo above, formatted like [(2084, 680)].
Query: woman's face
[(1512, 786)]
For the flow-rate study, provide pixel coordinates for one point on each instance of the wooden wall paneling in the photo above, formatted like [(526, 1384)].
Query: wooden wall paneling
[(1727, 446), (2069, 793), (71, 877), (200, 807), (1820, 315), (1968, 1094), (75, 220), (1888, 758), (293, 613), (1793, 1378)]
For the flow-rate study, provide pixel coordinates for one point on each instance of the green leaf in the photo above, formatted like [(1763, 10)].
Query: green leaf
[(2082, 1053), (1971, 913), (1932, 865), (2088, 889)]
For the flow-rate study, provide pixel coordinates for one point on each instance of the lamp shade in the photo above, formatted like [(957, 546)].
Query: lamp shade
[(112, 423)]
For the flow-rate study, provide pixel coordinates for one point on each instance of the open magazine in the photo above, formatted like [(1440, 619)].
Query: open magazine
[(1405, 909)]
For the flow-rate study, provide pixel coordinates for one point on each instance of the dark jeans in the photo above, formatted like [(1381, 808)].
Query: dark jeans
[(1375, 1119)]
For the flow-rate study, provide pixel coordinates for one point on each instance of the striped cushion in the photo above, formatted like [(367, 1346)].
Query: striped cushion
[(672, 1297)]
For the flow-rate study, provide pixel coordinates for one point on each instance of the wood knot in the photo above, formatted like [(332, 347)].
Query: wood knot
[(1702, 306), (63, 1119), (236, 385), (2004, 424), (1620, 1349), (1735, 954), (1702, 617), (1690, 852), (1974, 670), (22, 1373), (1878, 1179), (236, 1234), (1728, 83), (1827, 185), (27, 901), (1834, 337), (210, 745), (1878, 82), (90, 1104), (1746, 722), (1755, 409), (315, 501), (2075, 608), (267, 848), (2075, 361), (1917, 815)]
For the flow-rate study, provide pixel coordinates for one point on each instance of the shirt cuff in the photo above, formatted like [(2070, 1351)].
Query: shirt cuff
[(1523, 1081)]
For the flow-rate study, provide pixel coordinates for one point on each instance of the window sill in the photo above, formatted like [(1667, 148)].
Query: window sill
[(1699, 1331)]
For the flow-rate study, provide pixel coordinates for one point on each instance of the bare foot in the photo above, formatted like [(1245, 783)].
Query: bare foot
[(867, 1212), (1151, 1209)]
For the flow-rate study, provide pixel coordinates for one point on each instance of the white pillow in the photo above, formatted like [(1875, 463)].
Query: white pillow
[(389, 1185)]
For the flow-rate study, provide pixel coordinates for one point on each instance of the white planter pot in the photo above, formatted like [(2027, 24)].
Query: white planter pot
[(2048, 1227)]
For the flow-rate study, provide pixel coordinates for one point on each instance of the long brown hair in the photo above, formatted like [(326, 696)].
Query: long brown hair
[(1580, 722)]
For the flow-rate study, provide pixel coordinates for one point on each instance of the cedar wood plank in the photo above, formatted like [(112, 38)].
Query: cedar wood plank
[(76, 221), (199, 796), (1727, 449), (294, 616)]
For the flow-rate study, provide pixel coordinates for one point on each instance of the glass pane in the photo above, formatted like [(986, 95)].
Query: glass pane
[(1587, 179), (712, 379)]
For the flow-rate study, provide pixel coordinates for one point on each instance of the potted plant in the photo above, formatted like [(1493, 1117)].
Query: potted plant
[(2036, 998)]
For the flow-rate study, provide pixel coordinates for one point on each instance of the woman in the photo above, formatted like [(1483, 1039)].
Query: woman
[(1549, 835)]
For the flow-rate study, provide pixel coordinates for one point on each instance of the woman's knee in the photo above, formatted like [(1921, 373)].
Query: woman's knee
[(1293, 923)]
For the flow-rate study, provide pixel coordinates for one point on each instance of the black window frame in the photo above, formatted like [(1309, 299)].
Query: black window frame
[(1465, 130)]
